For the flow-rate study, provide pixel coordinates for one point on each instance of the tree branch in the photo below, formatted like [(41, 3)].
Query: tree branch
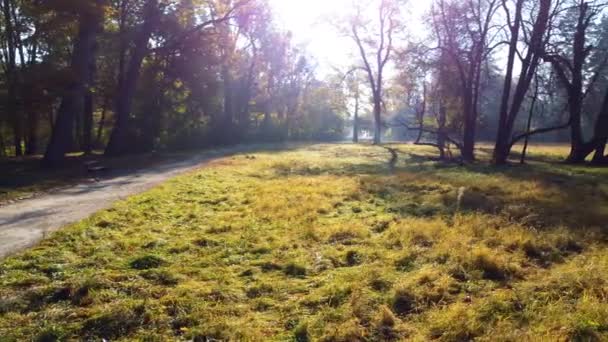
[(538, 131)]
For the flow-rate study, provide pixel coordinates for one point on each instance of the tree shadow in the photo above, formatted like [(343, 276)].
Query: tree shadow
[(25, 216), (564, 196), (26, 175)]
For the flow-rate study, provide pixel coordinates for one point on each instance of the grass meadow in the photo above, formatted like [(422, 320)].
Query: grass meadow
[(329, 243)]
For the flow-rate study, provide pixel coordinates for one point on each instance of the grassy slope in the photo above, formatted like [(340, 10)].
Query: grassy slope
[(324, 242)]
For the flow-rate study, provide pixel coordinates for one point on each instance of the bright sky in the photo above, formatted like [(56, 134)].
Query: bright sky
[(307, 20)]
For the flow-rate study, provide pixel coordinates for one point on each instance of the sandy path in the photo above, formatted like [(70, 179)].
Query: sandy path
[(24, 224)]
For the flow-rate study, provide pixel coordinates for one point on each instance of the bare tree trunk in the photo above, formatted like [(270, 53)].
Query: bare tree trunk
[(87, 125), (244, 120), (118, 144), (578, 151), (470, 125), (441, 133), (356, 120), (599, 158), (509, 113), (11, 75), (226, 121), (89, 105), (529, 123), (2, 145), (422, 114), (377, 121), (71, 103), (500, 149), (600, 136), (572, 78)]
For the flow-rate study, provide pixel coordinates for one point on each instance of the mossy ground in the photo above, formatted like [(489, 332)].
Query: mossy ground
[(326, 242)]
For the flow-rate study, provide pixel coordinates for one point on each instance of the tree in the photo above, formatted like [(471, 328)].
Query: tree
[(118, 140), (375, 38), (83, 56), (355, 89), (464, 32), (570, 55), (171, 74), (152, 18), (535, 39)]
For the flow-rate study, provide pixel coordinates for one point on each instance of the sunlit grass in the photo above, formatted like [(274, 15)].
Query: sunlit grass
[(326, 242)]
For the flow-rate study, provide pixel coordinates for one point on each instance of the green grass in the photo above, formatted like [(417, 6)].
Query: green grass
[(325, 242)]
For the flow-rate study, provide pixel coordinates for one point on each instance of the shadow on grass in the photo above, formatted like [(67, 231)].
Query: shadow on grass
[(26, 176), (565, 196)]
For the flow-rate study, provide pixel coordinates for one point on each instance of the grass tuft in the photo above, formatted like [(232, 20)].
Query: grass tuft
[(295, 270), (147, 262)]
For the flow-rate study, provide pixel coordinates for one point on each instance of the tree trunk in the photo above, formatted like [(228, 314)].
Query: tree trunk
[(600, 153), (71, 103), (356, 121), (32, 132), (102, 121), (2, 145), (579, 151), (509, 113), (529, 123), (571, 76), (501, 153), (244, 120), (600, 135), (11, 75), (87, 124), (89, 104), (118, 144), (17, 138), (228, 98), (470, 123), (377, 119), (422, 114), (154, 109), (441, 133)]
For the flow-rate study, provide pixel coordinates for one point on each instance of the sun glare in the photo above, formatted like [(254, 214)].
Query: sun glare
[(310, 22)]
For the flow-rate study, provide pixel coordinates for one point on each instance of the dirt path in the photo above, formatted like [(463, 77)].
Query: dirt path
[(25, 223)]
